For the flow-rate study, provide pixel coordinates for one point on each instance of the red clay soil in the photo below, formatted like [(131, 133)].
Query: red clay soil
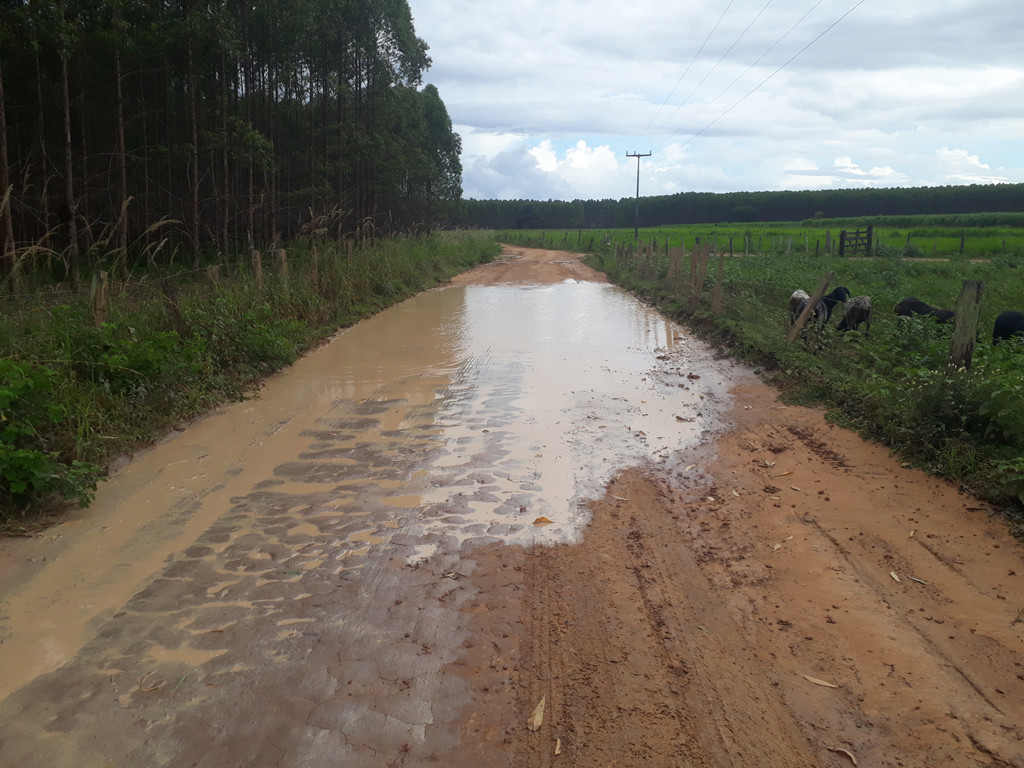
[(789, 596), (785, 594)]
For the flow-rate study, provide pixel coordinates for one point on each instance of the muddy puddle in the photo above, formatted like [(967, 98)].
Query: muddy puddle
[(471, 414)]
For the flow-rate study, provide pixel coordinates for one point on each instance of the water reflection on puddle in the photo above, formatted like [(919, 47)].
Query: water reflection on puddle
[(461, 414), (493, 406)]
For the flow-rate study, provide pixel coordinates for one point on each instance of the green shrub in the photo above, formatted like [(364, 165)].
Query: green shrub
[(29, 468)]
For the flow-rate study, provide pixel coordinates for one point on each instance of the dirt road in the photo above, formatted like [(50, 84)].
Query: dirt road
[(793, 597), (787, 595)]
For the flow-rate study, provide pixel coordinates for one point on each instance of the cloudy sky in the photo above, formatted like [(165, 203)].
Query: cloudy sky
[(549, 96)]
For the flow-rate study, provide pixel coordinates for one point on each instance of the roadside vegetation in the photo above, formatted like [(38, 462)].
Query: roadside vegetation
[(75, 393), (893, 385)]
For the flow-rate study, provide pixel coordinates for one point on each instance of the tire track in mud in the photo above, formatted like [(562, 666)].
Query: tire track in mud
[(647, 664)]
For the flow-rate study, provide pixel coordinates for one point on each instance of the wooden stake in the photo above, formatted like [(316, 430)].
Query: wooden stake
[(811, 303), (965, 324)]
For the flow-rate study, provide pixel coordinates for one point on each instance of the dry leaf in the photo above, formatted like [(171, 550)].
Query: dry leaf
[(846, 752), (619, 498), (540, 521), (735, 494), (769, 464), (558, 746), (816, 681), (691, 466), (783, 474), (794, 488), (777, 546), (895, 577), (918, 580), (776, 498), (912, 533), (537, 717)]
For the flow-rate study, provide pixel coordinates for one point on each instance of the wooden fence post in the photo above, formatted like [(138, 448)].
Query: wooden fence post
[(100, 298), (716, 297), (698, 286), (177, 319), (282, 264), (257, 268), (809, 309), (965, 324)]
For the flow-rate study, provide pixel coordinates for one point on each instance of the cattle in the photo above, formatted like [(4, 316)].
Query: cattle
[(858, 312), (795, 301), (1009, 325), (839, 295), (912, 305), (818, 316)]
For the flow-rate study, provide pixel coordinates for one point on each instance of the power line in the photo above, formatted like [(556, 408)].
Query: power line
[(769, 77), (685, 72), (722, 58)]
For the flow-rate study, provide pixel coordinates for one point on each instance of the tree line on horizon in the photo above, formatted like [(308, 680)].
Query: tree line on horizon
[(205, 126), (744, 207)]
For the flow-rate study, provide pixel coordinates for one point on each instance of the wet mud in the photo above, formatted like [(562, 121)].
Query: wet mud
[(522, 486)]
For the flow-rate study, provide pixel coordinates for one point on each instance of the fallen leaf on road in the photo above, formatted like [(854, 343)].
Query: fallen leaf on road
[(619, 498), (794, 488), (895, 577), (912, 534), (537, 717), (735, 494), (540, 521), (918, 580), (558, 746), (783, 474), (846, 752), (691, 466), (816, 681)]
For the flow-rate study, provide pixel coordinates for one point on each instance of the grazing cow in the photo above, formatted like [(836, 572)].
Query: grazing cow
[(839, 295), (912, 305), (799, 296), (858, 311), (1009, 324), (818, 316)]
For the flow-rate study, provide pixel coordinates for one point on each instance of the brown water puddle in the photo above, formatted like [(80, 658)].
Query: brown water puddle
[(463, 415)]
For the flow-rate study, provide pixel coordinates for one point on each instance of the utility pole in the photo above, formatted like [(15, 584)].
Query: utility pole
[(636, 212)]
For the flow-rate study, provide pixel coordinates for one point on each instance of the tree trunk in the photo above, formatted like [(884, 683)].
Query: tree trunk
[(120, 157), (225, 193), (7, 255), (74, 273), (193, 117)]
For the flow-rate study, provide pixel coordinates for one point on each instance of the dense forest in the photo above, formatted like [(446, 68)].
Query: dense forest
[(138, 127), (739, 207)]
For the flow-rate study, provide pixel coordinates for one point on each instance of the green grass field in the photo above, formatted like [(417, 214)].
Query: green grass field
[(895, 385)]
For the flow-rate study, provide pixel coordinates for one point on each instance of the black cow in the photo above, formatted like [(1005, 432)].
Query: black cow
[(1009, 324), (839, 295), (912, 305)]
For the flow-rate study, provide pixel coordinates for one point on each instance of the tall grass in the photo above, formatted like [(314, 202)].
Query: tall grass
[(73, 395)]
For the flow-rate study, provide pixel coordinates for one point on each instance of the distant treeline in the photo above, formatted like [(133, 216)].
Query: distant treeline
[(740, 207)]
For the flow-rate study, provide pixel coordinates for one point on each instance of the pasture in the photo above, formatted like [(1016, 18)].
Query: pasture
[(895, 386)]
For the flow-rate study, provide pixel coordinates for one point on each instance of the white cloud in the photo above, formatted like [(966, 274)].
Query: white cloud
[(549, 97)]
